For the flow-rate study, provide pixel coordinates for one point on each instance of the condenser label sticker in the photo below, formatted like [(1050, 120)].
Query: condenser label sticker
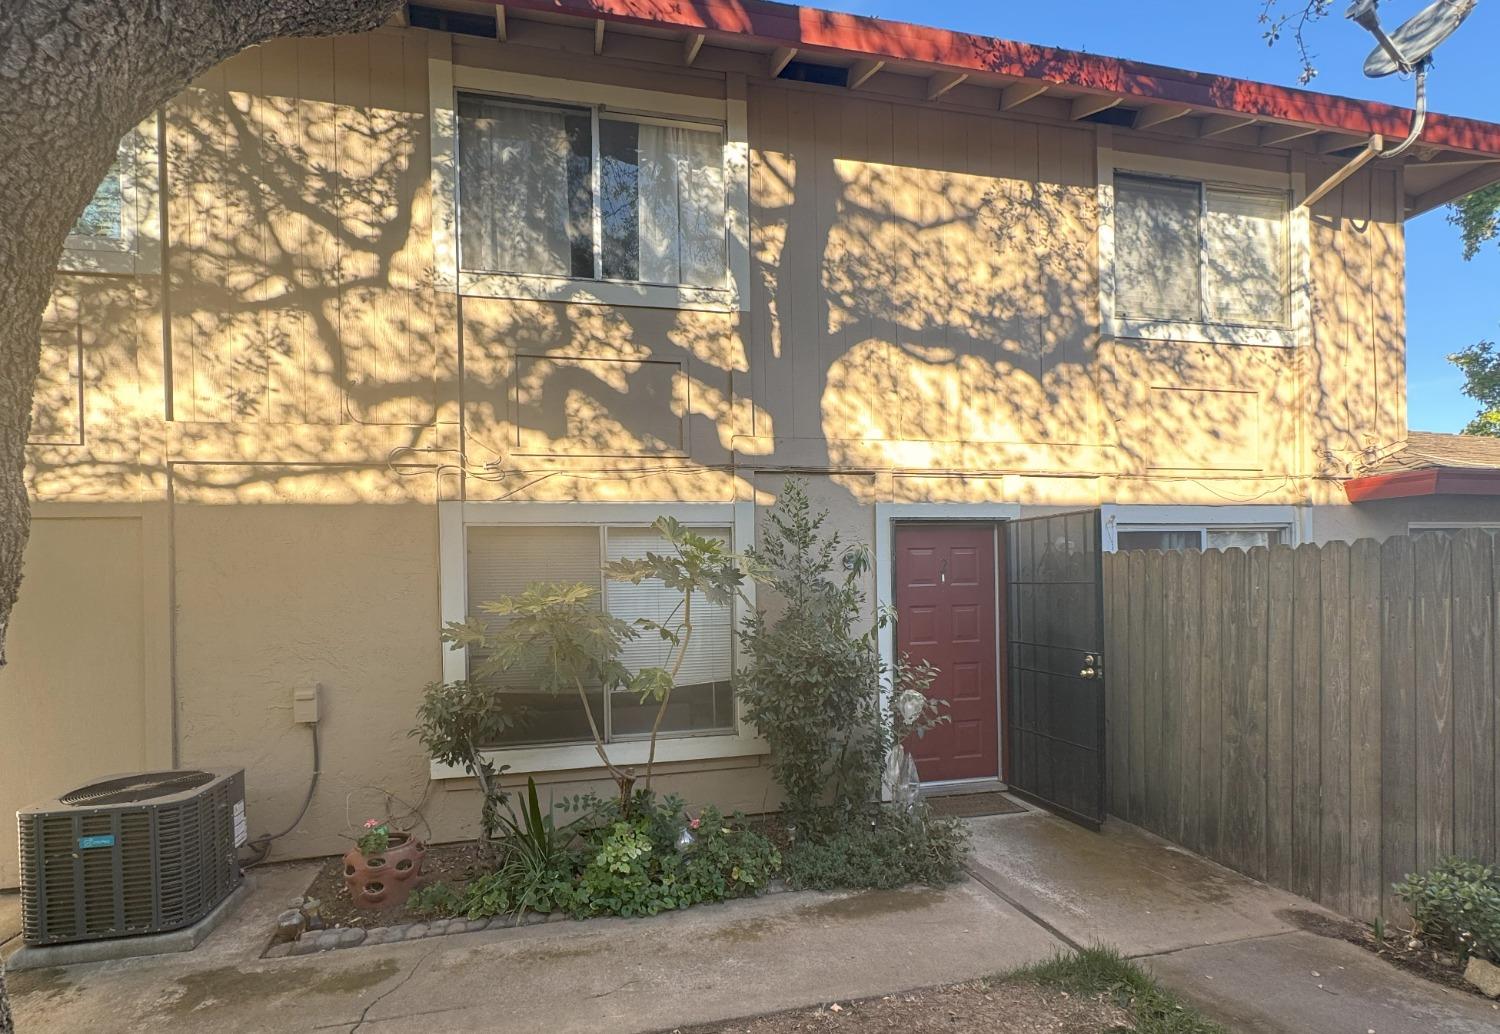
[(241, 830), (88, 843)]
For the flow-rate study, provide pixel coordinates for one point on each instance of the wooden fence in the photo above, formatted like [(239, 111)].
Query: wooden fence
[(1322, 718)]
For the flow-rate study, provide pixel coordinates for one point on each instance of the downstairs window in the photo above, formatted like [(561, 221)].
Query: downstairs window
[(504, 560)]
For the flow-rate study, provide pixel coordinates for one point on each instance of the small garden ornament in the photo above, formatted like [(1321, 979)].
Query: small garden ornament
[(383, 867)]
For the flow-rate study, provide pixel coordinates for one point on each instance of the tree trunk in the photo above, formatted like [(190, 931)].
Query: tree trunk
[(6, 1026), (75, 76)]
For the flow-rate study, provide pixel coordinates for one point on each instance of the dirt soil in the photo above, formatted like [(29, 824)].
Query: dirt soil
[(453, 864), (1399, 948), (978, 1007)]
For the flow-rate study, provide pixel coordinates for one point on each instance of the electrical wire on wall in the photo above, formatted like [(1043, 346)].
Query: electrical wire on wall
[(261, 846)]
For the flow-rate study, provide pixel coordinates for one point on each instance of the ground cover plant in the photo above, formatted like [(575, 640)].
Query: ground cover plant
[(1456, 906), (813, 688), (652, 857)]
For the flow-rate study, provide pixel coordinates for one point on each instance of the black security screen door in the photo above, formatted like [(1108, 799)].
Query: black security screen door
[(1055, 688)]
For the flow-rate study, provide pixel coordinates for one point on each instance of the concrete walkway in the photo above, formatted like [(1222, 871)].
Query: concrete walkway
[(1040, 885), (708, 963), (1230, 945)]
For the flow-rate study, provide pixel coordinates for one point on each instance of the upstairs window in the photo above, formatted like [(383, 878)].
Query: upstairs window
[(1200, 253), (582, 193)]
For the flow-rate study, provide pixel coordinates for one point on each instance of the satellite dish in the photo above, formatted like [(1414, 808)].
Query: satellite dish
[(1411, 45), (1409, 49)]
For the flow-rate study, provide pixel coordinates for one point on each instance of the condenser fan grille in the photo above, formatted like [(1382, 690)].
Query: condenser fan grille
[(134, 789)]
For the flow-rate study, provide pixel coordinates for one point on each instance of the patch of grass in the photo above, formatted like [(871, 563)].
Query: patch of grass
[(1100, 971)]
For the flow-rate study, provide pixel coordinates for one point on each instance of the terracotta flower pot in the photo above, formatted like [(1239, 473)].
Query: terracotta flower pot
[(387, 879)]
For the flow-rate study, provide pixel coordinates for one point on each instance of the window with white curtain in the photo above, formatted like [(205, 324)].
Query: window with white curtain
[(585, 193), (1178, 537), (503, 560), (1195, 252)]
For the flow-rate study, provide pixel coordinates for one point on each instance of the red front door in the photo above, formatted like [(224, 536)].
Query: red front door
[(946, 615)]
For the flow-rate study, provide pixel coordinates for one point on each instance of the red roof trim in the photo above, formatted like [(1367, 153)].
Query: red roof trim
[(810, 27), (1407, 484)]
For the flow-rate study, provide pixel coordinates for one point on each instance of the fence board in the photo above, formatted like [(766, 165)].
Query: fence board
[(1364, 706), (1326, 718), (1253, 713), (1434, 684), (1173, 696), (1233, 831), (1398, 711), (1137, 570), (1279, 717), (1495, 704), (1211, 660), (1155, 634), (1473, 694), (1335, 725), (1307, 711), (1117, 679), (1190, 827)]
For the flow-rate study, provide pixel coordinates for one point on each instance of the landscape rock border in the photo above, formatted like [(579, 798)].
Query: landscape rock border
[(315, 942)]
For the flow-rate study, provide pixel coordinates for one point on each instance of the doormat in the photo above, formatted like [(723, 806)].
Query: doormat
[(973, 805)]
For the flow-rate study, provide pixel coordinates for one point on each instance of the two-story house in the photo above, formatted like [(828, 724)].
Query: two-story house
[(364, 331)]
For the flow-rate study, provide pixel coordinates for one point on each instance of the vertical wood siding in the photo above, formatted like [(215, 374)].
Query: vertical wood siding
[(1323, 718)]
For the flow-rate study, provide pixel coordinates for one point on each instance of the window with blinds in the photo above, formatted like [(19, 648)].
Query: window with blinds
[(503, 560), (1196, 252)]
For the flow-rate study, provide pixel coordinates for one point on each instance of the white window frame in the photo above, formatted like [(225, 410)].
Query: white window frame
[(138, 248), (1413, 527), (1134, 517), (454, 520), (1299, 269), (446, 80)]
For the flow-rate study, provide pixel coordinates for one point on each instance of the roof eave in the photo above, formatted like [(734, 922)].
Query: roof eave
[(1426, 481), (807, 28)]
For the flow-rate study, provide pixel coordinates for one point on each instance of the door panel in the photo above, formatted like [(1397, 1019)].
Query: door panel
[(1056, 684), (945, 615)]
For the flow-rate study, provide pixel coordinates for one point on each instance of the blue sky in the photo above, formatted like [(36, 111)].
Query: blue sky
[(1450, 303)]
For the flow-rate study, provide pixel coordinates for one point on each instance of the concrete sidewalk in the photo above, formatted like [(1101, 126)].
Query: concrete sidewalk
[(708, 963), (1230, 945), (1040, 885)]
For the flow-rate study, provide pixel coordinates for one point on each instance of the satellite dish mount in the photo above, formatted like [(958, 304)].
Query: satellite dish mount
[(1409, 49)]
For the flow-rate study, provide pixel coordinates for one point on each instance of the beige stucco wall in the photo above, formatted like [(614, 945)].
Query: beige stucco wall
[(1387, 517), (264, 428)]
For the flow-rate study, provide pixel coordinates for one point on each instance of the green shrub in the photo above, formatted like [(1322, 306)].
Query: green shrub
[(891, 849), (813, 685), (1457, 905)]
